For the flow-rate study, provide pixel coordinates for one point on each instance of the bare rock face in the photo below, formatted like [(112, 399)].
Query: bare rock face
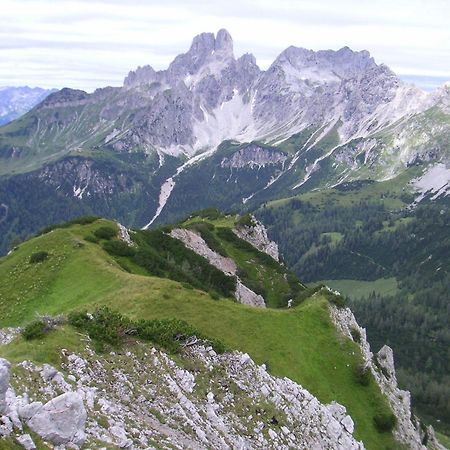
[(197, 244), (26, 442), (124, 234), (61, 420), (382, 367), (257, 236), (4, 383), (253, 156), (246, 296)]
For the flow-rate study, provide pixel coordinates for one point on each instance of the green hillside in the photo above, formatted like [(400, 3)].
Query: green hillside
[(391, 260), (300, 343)]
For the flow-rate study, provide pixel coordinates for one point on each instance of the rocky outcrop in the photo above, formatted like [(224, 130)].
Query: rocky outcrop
[(4, 383), (61, 420), (124, 234), (254, 156), (407, 430), (26, 442), (8, 334), (204, 400), (256, 234), (197, 244), (247, 296)]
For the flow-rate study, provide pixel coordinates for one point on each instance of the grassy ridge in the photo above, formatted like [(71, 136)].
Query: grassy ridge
[(300, 343)]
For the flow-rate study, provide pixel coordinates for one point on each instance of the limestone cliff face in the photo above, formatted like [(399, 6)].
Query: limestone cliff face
[(144, 397), (407, 430), (196, 243), (257, 236), (254, 156)]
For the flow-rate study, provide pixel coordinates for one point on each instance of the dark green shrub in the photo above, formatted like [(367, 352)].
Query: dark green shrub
[(118, 248), (105, 233), (38, 257), (91, 238), (356, 335), (385, 422), (206, 231), (34, 330), (104, 326), (208, 213), (84, 220), (362, 375), (163, 256), (335, 299), (108, 328), (246, 221)]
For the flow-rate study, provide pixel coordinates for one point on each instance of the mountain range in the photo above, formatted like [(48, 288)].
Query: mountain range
[(15, 101), (146, 151)]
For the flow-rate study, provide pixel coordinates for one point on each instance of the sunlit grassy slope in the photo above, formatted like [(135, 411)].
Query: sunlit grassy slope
[(299, 343)]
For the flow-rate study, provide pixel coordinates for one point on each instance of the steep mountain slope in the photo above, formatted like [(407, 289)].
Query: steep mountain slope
[(80, 267), (388, 250), (15, 101), (312, 120)]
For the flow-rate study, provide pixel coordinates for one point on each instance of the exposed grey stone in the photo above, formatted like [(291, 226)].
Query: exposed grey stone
[(4, 383), (26, 442), (61, 420), (246, 296), (405, 431), (257, 236), (26, 412), (197, 244)]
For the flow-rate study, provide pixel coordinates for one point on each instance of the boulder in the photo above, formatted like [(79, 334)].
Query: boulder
[(61, 420), (26, 442)]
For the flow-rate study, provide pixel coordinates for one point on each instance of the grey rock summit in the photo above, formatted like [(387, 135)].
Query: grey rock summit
[(313, 119)]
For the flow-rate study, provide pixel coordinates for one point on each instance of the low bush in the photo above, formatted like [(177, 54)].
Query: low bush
[(208, 213), (118, 248), (83, 220), (92, 238), (163, 256), (41, 326), (385, 422), (105, 232), (206, 231), (246, 221), (356, 335), (108, 328), (362, 375), (335, 299), (38, 257), (34, 330)]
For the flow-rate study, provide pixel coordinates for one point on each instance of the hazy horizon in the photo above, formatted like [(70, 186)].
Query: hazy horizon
[(90, 44)]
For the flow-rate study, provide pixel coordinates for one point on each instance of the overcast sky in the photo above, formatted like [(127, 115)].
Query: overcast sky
[(93, 43)]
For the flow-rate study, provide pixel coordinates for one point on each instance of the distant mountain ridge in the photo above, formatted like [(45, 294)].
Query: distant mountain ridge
[(145, 152), (15, 101)]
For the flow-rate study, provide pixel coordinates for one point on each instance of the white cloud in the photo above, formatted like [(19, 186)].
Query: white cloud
[(91, 43)]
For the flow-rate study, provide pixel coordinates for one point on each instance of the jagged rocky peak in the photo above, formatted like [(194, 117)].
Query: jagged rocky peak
[(206, 50), (224, 42), (324, 65), (141, 75), (207, 43)]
